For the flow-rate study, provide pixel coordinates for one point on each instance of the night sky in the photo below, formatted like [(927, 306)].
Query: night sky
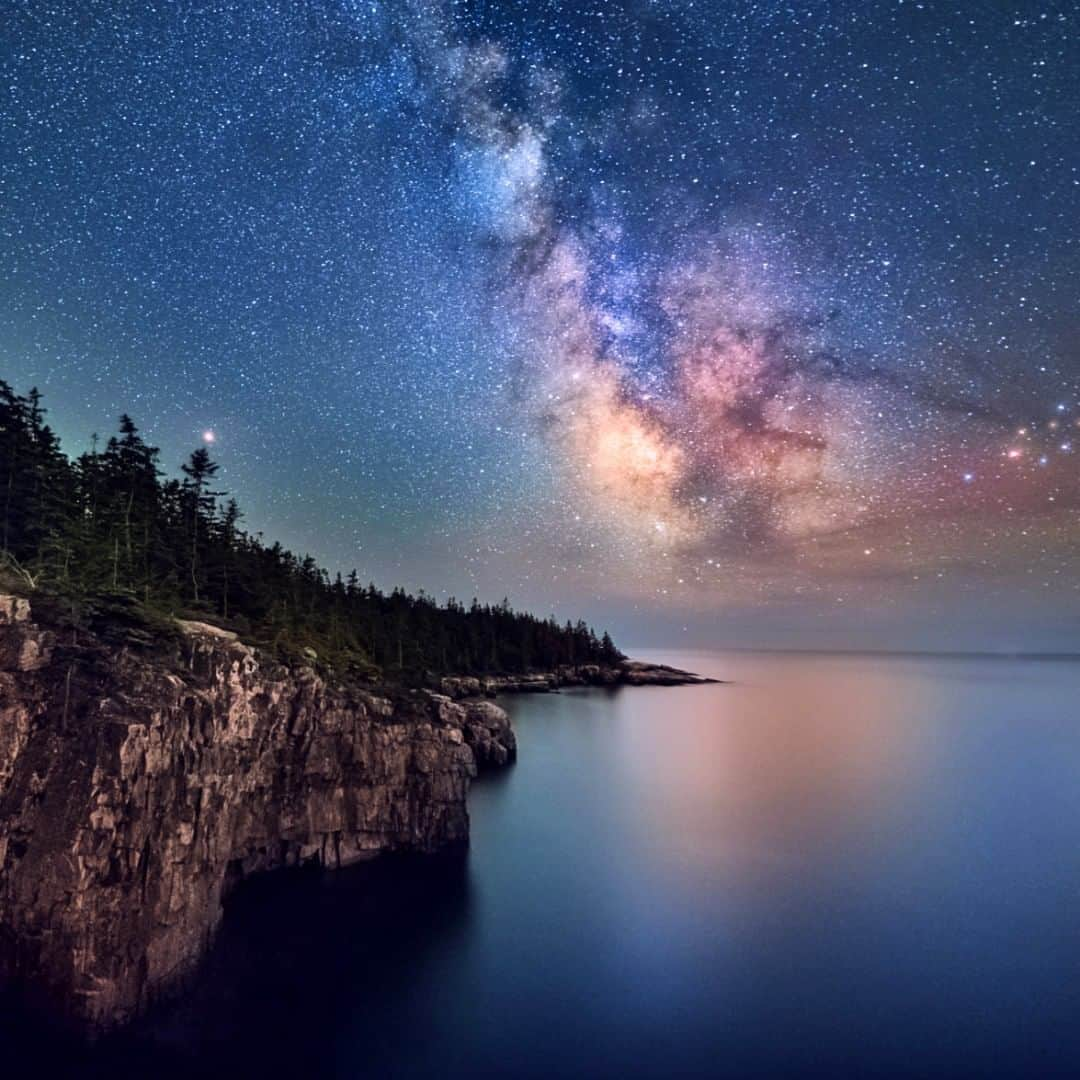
[(711, 322)]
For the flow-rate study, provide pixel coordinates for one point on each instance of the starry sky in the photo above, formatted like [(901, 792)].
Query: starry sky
[(735, 322)]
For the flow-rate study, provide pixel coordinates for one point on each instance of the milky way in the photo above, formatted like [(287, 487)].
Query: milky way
[(757, 319)]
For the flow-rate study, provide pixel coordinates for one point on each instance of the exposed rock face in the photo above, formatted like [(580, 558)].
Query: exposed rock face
[(136, 788), (488, 732)]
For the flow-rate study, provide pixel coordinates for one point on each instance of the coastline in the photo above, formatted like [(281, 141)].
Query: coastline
[(626, 673), (142, 779)]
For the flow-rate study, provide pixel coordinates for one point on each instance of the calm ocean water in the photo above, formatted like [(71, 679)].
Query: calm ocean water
[(837, 865)]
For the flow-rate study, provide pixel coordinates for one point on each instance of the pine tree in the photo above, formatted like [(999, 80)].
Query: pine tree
[(199, 501), (108, 523), (230, 518)]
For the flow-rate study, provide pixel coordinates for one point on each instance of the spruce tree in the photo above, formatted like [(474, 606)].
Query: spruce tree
[(199, 503), (108, 525)]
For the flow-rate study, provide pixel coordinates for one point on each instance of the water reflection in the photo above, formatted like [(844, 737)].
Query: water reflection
[(835, 866), (303, 958), (782, 767)]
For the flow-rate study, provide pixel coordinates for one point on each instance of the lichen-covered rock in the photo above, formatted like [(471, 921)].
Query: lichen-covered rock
[(136, 788)]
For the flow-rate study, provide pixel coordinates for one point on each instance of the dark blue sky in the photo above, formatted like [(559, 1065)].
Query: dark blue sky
[(716, 315)]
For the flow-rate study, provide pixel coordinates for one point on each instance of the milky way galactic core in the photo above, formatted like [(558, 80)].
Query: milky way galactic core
[(755, 319)]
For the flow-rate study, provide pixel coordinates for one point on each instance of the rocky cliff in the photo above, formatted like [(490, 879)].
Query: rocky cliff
[(139, 782)]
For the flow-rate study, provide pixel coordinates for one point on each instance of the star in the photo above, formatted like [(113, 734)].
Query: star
[(505, 281)]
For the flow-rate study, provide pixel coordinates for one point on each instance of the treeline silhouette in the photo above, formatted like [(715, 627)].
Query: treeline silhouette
[(107, 531)]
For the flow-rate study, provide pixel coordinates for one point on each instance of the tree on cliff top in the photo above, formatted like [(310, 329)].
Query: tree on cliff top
[(108, 525)]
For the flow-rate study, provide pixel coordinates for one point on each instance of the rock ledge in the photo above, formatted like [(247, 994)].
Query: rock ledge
[(137, 788), (626, 673)]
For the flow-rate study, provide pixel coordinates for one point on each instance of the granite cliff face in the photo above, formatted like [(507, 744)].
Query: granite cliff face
[(138, 785), (144, 774)]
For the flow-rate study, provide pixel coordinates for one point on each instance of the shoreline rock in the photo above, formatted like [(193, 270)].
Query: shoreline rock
[(143, 775), (625, 673), (136, 789)]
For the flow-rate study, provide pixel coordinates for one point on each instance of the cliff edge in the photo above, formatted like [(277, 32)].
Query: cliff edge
[(138, 784)]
